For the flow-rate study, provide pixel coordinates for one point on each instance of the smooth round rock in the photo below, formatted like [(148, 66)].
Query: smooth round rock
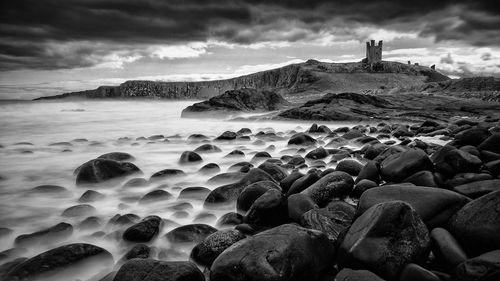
[(155, 270), (190, 233), (143, 231), (336, 184), (214, 244)]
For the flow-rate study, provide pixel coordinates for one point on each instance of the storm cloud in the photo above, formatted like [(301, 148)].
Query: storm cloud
[(67, 34)]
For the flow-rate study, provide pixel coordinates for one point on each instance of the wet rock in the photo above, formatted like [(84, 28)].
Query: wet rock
[(348, 274), (205, 217), (101, 170), (317, 153), (476, 225), (372, 151), (336, 184), (261, 154), (197, 137), (394, 235), (286, 252), (189, 157), (90, 223), (226, 178), (79, 210), (362, 186), (446, 249), (117, 156), (181, 206), (167, 174), (331, 220), (207, 148), (155, 270), (136, 182), (268, 210), (226, 136), (190, 233), (422, 178), (139, 251), (236, 153), (143, 231), (287, 182), (370, 171), (449, 160), (275, 171), (301, 139), (434, 205), (298, 204), (414, 272), (124, 219), (398, 167), (194, 192), (352, 134), (485, 267), (155, 196), (491, 144), (472, 136), (48, 189), (230, 192), (252, 192), (61, 258), (210, 168), (91, 196), (350, 166), (477, 189), (229, 219), (214, 244), (493, 167), (303, 183), (52, 234), (463, 178)]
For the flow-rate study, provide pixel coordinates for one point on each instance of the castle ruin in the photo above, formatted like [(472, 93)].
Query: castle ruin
[(373, 52)]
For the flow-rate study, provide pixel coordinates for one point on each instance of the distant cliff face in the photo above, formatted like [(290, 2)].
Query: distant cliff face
[(311, 77), (485, 88)]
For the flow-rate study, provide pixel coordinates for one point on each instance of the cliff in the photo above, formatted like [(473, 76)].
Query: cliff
[(309, 78)]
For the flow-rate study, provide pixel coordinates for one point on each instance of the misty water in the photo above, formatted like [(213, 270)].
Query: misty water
[(82, 131)]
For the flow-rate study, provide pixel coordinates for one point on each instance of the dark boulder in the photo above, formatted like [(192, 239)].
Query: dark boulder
[(144, 231), (101, 170), (286, 252), (229, 219), (52, 234), (333, 185), (317, 153), (298, 204), (210, 168), (446, 249), (301, 139), (434, 205), (268, 210), (62, 258), (139, 251), (491, 144), (450, 160), (287, 182), (348, 274), (190, 233), (155, 196), (384, 239), (117, 156), (350, 166), (214, 244), (414, 272), (226, 136), (167, 174), (362, 186), (189, 157), (477, 189), (304, 182), (252, 192), (155, 270), (79, 210), (485, 267), (422, 178), (47, 188), (370, 171), (91, 196), (207, 148), (278, 173), (398, 167), (194, 192), (476, 225), (472, 136)]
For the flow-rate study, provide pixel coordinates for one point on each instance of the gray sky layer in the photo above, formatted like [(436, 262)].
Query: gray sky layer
[(54, 46)]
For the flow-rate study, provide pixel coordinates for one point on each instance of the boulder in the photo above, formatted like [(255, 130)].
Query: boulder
[(229, 193), (155, 270), (101, 170), (90, 196), (304, 182), (370, 171), (210, 168), (117, 156), (268, 210), (194, 192), (155, 196), (477, 189), (226, 136), (64, 258), (331, 220), (190, 157), (398, 167), (450, 160), (434, 205), (143, 231), (446, 248), (49, 235), (214, 244), (348, 274), (422, 178), (491, 144), (476, 225), (301, 139), (298, 204), (167, 174), (414, 272), (139, 251), (336, 184), (207, 148), (485, 267), (317, 153), (278, 173), (287, 182), (384, 239), (229, 219), (350, 166), (252, 192), (190, 233), (286, 252), (79, 210)]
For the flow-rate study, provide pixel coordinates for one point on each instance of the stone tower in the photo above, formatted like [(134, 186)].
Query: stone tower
[(373, 52)]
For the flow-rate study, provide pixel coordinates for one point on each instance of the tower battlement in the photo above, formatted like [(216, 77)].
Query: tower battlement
[(373, 52)]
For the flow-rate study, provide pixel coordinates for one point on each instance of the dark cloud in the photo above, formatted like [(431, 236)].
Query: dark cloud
[(39, 34)]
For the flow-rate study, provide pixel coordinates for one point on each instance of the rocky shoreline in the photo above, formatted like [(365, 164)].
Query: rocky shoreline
[(395, 207)]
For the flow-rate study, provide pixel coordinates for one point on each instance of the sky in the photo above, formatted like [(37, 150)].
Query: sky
[(50, 47)]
